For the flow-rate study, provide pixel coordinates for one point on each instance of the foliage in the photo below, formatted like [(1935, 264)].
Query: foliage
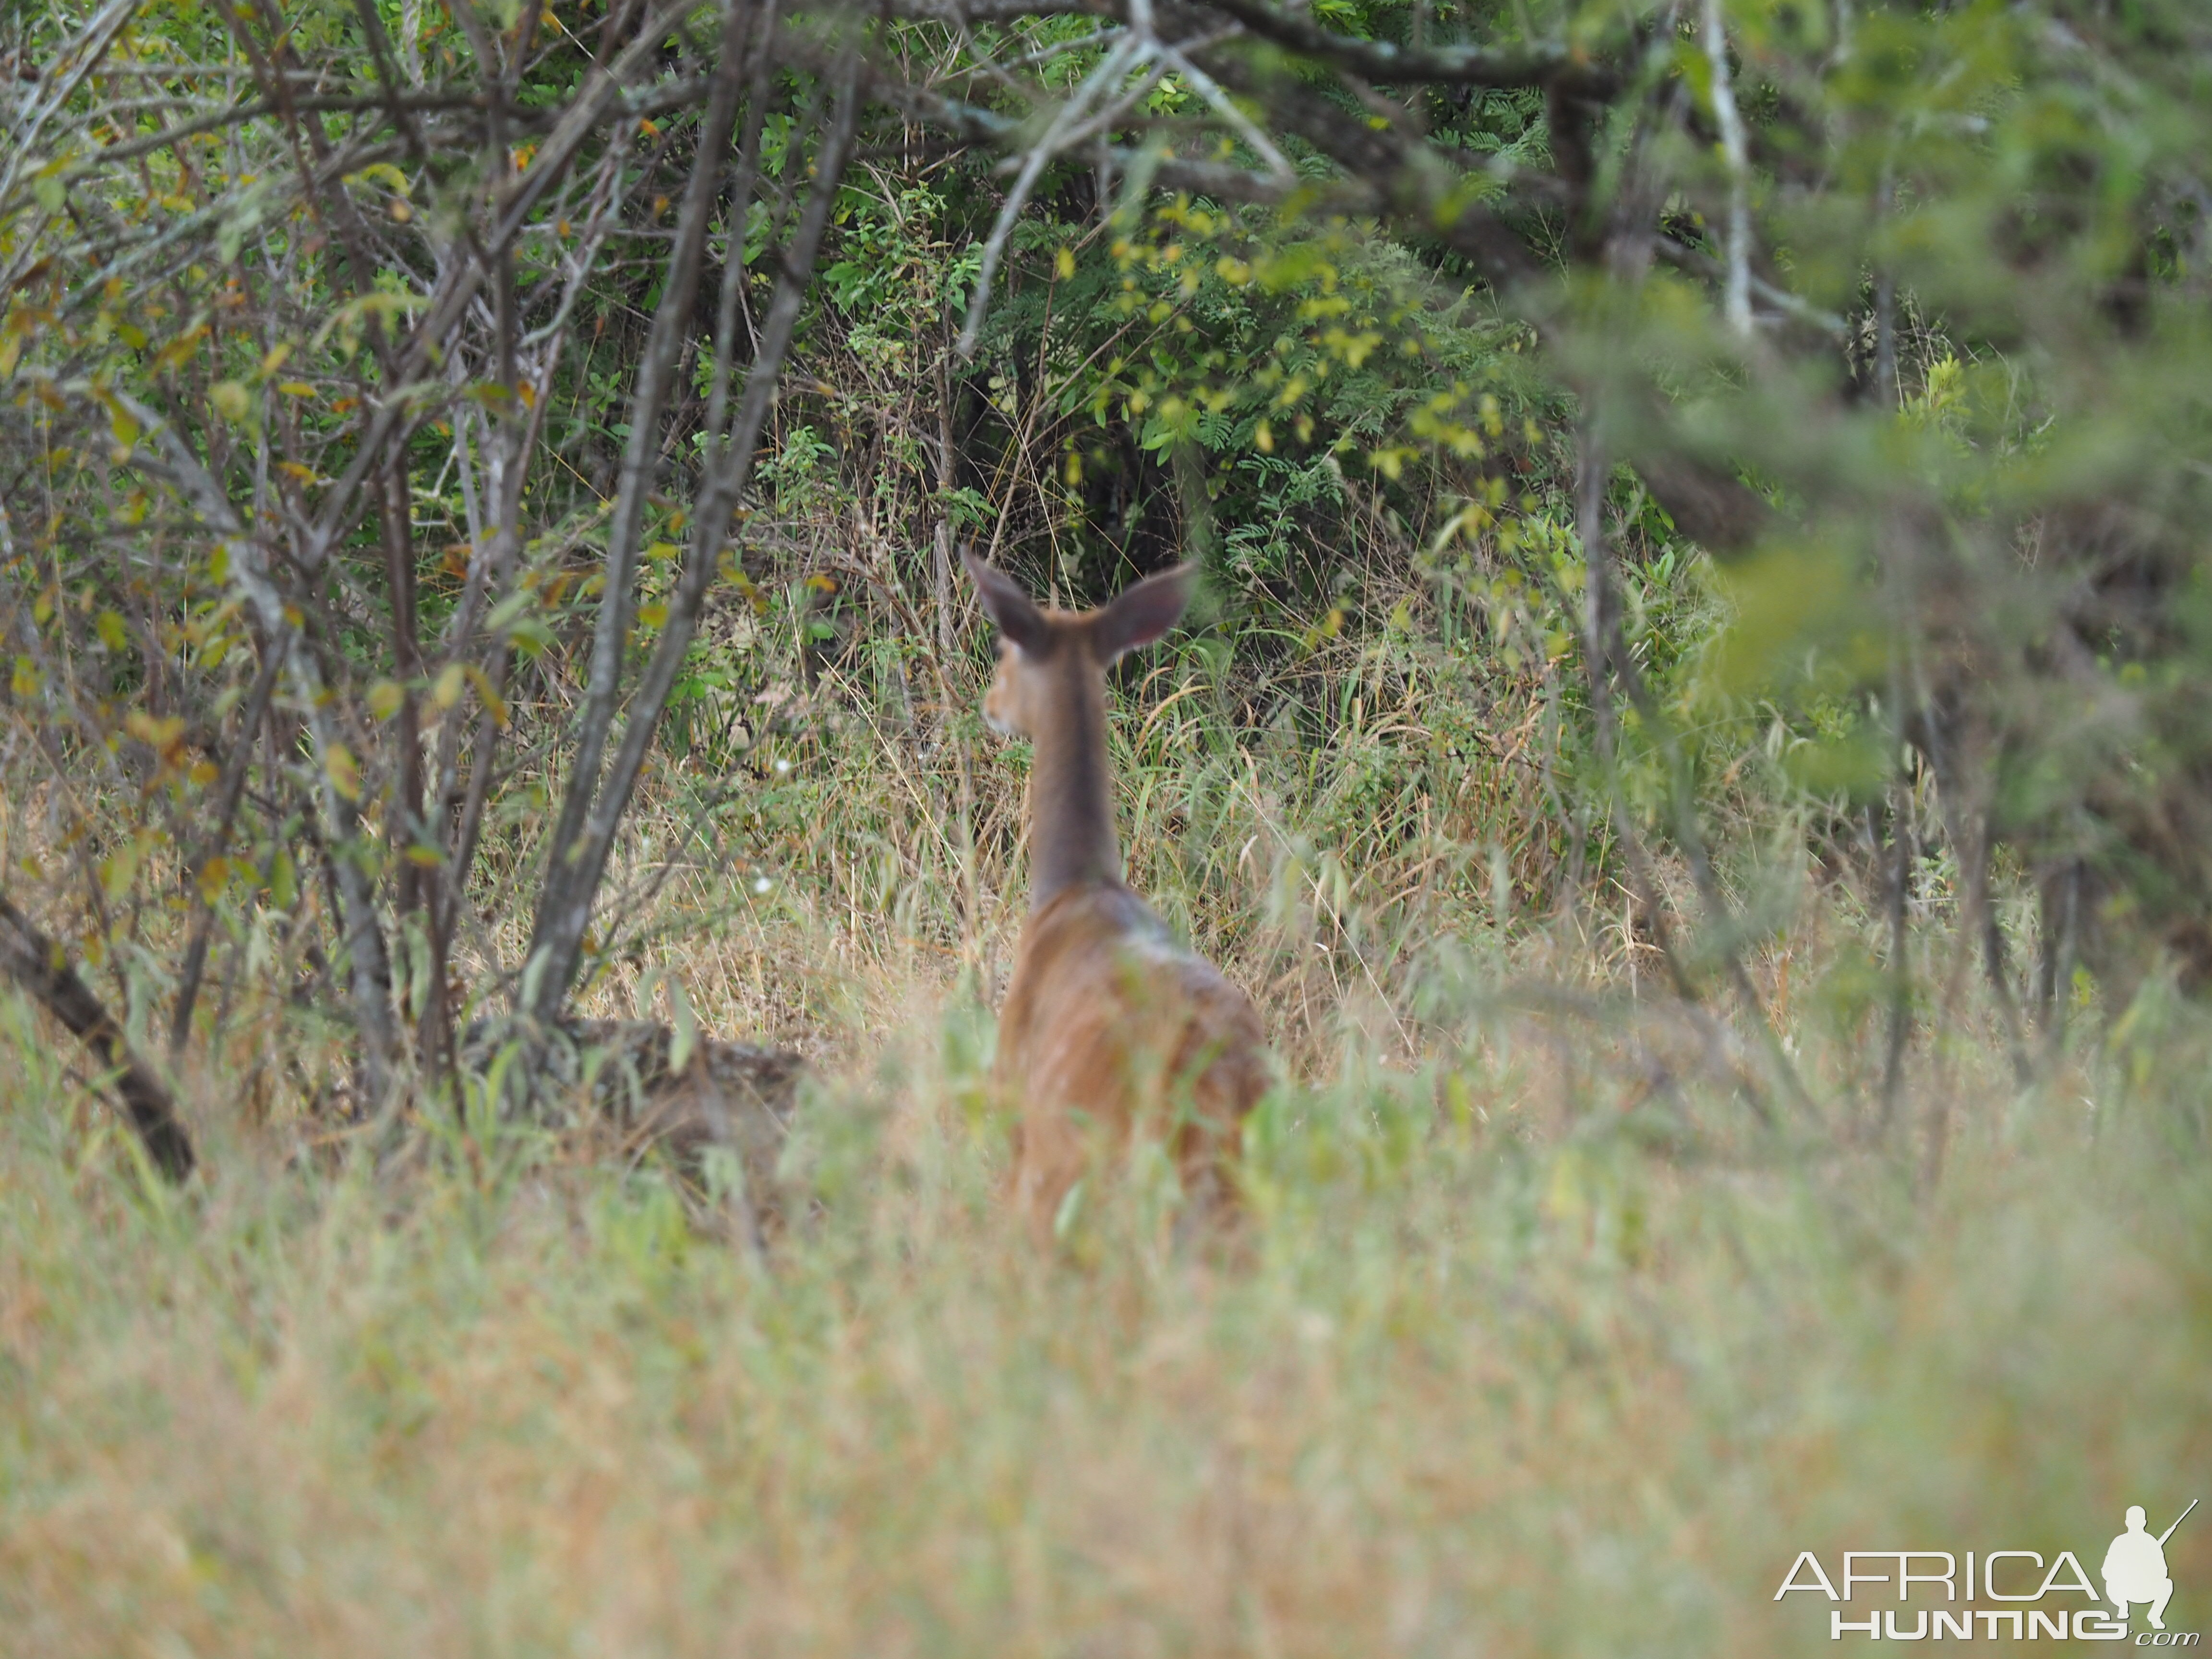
[(1754, 449), (1694, 736)]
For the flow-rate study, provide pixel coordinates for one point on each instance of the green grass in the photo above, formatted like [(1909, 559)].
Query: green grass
[(1496, 1365)]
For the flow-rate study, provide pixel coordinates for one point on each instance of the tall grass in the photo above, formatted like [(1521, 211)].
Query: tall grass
[(1317, 824), (1493, 1365), (1531, 1339)]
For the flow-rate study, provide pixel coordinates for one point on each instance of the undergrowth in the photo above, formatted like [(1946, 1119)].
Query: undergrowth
[(1505, 1357), (1558, 1320)]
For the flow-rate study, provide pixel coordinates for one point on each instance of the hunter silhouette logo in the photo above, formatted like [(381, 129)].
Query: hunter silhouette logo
[(2134, 1573), (2135, 1567)]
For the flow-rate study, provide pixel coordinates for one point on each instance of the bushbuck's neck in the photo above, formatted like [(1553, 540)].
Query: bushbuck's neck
[(1071, 840)]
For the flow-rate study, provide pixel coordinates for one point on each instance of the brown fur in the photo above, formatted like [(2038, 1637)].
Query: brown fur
[(1110, 1027)]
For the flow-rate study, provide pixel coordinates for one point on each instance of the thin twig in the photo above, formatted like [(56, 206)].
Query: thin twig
[(1132, 51), (1735, 303)]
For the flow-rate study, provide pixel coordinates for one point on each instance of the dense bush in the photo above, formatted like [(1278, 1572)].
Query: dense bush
[(1647, 461)]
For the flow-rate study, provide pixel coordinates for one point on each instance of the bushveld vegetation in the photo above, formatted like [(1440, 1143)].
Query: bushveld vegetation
[(1693, 734)]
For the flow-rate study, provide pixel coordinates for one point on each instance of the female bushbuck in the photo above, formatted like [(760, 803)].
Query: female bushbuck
[(1109, 1025)]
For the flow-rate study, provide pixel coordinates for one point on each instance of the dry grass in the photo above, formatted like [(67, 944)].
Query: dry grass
[(1531, 1343), (1512, 1356), (1317, 832)]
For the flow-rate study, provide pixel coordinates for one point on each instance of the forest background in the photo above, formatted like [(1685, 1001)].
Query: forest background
[(1694, 734)]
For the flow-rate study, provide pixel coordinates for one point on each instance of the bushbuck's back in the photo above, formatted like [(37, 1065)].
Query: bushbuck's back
[(1110, 1026)]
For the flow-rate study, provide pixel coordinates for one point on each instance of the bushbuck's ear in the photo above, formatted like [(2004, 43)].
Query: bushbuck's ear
[(1010, 609), (1141, 614)]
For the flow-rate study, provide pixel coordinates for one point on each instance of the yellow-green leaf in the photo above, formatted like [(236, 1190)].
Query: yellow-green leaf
[(448, 689), (231, 400), (179, 352), (382, 172), (162, 736), (493, 703), (119, 869), (343, 771), (384, 698), (284, 880)]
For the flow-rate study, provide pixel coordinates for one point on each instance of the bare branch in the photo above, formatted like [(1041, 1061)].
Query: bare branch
[(565, 911), (249, 565), (1735, 303), (1392, 65), (650, 391), (1132, 51), (40, 966)]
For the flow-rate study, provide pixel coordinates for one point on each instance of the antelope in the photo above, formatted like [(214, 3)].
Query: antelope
[(1110, 1026)]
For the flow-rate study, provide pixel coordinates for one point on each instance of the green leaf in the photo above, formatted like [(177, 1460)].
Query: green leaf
[(683, 1042), (284, 880), (343, 771)]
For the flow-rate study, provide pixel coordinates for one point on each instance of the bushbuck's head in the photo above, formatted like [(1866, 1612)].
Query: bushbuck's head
[(1039, 649)]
